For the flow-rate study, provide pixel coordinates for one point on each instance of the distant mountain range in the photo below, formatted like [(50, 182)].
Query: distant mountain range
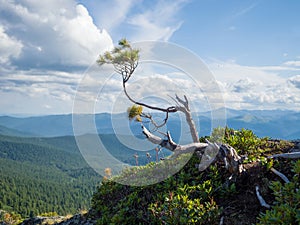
[(277, 124)]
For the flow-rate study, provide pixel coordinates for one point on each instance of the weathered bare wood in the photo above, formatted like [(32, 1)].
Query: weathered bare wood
[(188, 116), (170, 140), (207, 152), (152, 138), (208, 156), (221, 220), (291, 155), (281, 175), (232, 161), (260, 198), (171, 145)]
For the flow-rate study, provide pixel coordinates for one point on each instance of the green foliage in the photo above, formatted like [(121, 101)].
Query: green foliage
[(120, 55), (188, 197), (135, 112), (180, 209), (192, 195), (189, 204), (244, 141), (217, 135), (123, 57), (49, 214), (286, 209), (268, 163)]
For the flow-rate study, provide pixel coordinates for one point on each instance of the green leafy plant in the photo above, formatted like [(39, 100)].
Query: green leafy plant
[(190, 204), (181, 209), (48, 214), (244, 141)]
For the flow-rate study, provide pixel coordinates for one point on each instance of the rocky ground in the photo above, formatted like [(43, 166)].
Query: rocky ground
[(78, 219)]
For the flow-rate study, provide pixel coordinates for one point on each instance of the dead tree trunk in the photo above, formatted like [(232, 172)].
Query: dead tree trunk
[(188, 116), (207, 152)]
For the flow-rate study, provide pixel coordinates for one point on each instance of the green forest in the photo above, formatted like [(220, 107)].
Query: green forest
[(40, 175)]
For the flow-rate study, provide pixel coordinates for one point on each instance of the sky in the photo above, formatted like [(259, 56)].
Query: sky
[(49, 48)]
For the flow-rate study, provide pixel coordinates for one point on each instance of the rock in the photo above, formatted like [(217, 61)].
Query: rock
[(43, 220), (296, 147), (78, 219)]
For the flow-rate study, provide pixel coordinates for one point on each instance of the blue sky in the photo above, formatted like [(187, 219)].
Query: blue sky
[(251, 32), (251, 47)]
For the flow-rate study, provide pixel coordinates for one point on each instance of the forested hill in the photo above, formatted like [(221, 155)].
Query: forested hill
[(12, 132), (44, 175)]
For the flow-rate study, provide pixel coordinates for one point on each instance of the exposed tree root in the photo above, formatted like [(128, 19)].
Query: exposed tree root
[(281, 175), (260, 198)]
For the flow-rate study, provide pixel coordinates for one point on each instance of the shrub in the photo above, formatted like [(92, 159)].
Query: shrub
[(9, 218), (244, 141), (181, 209)]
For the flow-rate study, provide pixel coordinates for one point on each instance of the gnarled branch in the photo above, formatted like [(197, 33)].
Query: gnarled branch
[(207, 152), (171, 145)]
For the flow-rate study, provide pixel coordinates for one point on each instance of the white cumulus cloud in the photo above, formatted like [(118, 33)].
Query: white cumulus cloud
[(257, 87), (54, 33), (10, 47), (295, 80), (295, 63), (244, 85)]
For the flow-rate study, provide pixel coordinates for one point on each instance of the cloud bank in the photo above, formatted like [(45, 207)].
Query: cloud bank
[(49, 34), (265, 87)]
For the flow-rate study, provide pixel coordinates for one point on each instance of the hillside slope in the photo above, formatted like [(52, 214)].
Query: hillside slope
[(208, 197)]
